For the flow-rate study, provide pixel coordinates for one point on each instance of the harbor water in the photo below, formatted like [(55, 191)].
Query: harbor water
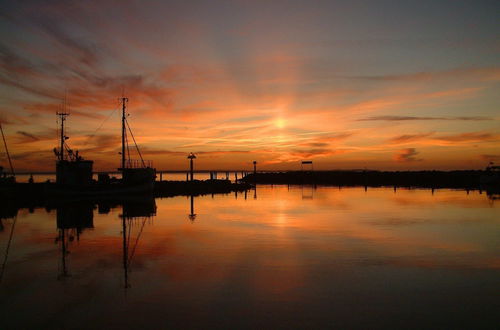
[(274, 257)]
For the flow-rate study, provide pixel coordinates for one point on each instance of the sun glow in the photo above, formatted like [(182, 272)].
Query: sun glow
[(280, 123)]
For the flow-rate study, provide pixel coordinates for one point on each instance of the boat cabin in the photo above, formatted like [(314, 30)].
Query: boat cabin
[(78, 172)]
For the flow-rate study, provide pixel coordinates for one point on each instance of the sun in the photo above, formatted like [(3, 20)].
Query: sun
[(280, 123)]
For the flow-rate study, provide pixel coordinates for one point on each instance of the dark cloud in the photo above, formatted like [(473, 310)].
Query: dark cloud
[(469, 137), (40, 91), (407, 155), (317, 144), (13, 64), (52, 108), (458, 138), (221, 152), (28, 135), (408, 138), (4, 121), (307, 153), (322, 142), (86, 52), (147, 151), (106, 140)]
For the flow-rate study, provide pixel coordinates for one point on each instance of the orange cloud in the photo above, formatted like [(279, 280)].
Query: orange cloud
[(452, 139), (407, 155)]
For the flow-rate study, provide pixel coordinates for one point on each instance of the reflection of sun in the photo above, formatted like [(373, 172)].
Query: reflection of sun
[(280, 123)]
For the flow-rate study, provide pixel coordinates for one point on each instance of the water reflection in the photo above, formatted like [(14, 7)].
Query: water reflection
[(136, 213), (307, 191), (192, 215), (72, 219), (7, 248), (304, 257), (493, 196)]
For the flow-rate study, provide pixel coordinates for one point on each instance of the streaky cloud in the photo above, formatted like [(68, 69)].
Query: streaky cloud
[(405, 138), (490, 157), (28, 135), (477, 73), (411, 118)]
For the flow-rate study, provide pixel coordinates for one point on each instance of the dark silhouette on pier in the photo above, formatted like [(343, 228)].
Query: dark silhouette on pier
[(191, 168), (465, 179)]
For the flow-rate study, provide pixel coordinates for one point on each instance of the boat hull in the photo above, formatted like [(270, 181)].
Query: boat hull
[(112, 189)]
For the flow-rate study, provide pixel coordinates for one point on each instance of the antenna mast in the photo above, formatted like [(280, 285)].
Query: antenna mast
[(62, 115), (124, 132)]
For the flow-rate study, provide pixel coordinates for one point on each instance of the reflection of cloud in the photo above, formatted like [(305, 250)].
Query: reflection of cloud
[(407, 155), (471, 262)]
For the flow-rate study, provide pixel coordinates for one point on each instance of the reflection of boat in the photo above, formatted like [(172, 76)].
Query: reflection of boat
[(72, 219), (135, 212), (74, 174), (75, 216)]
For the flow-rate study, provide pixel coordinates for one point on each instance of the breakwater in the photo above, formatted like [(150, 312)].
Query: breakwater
[(426, 179), (37, 193)]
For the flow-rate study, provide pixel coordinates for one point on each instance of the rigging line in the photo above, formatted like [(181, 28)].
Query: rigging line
[(136, 241), (100, 126), (128, 150), (7, 151), (135, 143), (69, 152), (8, 248)]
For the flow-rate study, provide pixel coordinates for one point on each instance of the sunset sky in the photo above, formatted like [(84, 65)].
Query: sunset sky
[(347, 84)]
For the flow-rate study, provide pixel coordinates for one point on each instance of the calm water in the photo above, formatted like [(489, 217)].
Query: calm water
[(289, 258)]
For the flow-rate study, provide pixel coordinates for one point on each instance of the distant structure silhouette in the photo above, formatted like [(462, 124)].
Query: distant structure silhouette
[(304, 163), (191, 157)]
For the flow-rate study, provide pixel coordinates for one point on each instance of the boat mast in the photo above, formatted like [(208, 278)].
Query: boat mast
[(124, 118), (63, 116)]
